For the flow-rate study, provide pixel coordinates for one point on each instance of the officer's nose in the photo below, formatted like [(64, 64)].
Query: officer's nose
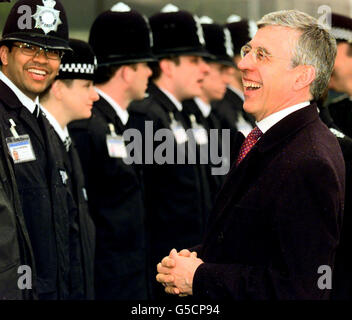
[(94, 94)]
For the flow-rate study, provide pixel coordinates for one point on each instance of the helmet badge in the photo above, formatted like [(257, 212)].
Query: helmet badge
[(47, 18)]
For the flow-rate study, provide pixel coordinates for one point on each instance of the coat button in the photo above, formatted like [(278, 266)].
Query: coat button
[(221, 237)]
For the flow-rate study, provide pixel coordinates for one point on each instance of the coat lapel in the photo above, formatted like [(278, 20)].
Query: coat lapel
[(110, 114), (32, 124), (236, 183), (23, 113)]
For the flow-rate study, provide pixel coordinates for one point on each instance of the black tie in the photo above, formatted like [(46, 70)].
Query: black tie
[(37, 111)]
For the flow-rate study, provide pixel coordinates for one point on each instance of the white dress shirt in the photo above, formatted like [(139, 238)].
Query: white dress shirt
[(265, 124), (204, 107), (177, 103), (26, 101), (121, 113)]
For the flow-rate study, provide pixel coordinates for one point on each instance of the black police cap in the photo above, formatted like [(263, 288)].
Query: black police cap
[(131, 41), (78, 64), (241, 30), (341, 27), (218, 42), (177, 32), (47, 26)]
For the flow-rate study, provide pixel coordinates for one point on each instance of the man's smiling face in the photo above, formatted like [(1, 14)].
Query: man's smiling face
[(32, 75)]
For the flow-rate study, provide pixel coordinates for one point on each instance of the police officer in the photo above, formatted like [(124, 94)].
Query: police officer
[(341, 79), (230, 109), (338, 117), (177, 192), (15, 248), (69, 98), (115, 191), (32, 44), (199, 110)]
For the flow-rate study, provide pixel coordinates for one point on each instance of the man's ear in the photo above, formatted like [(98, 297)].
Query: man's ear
[(306, 75), (127, 73), (57, 89), (166, 66), (4, 51)]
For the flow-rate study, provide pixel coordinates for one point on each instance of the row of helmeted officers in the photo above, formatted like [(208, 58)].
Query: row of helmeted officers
[(78, 221)]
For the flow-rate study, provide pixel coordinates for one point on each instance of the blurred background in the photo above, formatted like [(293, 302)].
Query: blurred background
[(81, 13)]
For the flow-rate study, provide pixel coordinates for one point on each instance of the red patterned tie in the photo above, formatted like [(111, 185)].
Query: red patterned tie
[(248, 143)]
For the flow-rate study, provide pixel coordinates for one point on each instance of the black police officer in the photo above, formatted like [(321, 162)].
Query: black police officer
[(32, 44)]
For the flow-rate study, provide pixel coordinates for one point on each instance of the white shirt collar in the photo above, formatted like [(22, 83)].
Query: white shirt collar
[(62, 133), (26, 101), (204, 107), (265, 124), (177, 103), (121, 113), (237, 91)]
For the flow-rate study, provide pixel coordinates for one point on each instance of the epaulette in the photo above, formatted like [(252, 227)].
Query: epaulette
[(337, 133)]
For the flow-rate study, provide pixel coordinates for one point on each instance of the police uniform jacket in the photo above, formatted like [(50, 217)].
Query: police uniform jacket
[(278, 217), (81, 226), (210, 122), (176, 198), (341, 113), (115, 198), (41, 191), (342, 280), (15, 247)]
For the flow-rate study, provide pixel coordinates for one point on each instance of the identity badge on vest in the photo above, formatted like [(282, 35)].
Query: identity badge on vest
[(20, 147), (115, 144), (178, 131)]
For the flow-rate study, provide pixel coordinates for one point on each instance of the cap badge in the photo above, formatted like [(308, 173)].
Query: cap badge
[(47, 18)]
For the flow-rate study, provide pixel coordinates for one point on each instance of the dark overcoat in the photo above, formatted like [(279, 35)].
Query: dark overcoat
[(278, 217)]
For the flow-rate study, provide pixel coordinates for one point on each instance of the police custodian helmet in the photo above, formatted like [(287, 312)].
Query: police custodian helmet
[(241, 30), (177, 32), (217, 42), (121, 36), (341, 27), (38, 22)]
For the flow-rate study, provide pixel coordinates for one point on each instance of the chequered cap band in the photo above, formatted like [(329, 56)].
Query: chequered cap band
[(342, 34), (78, 68)]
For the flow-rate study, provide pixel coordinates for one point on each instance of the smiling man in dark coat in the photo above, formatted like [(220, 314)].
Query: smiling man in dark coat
[(278, 216)]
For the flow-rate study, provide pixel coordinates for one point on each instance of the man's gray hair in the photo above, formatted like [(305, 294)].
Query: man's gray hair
[(315, 47)]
